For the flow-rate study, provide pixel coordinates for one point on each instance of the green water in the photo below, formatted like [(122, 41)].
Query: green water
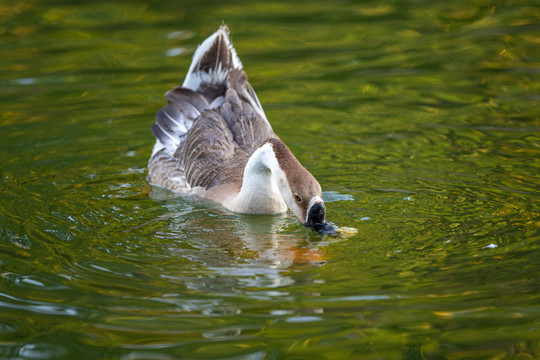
[(420, 119)]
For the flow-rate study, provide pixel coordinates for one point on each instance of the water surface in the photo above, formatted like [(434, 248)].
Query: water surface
[(419, 119)]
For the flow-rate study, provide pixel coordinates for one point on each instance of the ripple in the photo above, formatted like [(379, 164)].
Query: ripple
[(222, 333), (333, 196), (42, 351), (39, 307), (6, 329), (147, 355), (24, 81), (175, 52), (303, 319), (32, 282), (44, 281)]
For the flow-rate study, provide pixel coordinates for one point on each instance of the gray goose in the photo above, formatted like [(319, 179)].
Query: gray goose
[(214, 141)]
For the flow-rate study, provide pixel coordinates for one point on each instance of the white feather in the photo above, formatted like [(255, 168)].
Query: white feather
[(195, 78), (262, 185)]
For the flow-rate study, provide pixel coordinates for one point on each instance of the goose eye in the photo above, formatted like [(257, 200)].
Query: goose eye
[(297, 198)]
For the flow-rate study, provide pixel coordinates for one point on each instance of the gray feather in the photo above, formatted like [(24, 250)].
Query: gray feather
[(210, 133)]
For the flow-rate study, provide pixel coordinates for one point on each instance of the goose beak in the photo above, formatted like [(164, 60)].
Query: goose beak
[(316, 219)]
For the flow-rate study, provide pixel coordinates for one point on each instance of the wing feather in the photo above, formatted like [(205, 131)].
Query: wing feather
[(213, 123)]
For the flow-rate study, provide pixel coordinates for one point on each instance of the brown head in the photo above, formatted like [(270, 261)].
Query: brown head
[(299, 189)]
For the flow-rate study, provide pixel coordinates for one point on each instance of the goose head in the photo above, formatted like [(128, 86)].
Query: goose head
[(300, 191), (304, 199)]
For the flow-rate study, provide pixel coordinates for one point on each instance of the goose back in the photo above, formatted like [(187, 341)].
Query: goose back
[(211, 125)]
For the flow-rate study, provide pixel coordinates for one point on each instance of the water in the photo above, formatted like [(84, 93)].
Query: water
[(419, 118)]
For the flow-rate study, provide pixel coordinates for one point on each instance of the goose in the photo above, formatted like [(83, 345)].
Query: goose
[(213, 140)]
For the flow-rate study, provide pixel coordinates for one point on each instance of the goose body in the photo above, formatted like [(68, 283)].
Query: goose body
[(214, 141)]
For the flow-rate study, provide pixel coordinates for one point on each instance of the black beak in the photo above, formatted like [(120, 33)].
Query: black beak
[(316, 219)]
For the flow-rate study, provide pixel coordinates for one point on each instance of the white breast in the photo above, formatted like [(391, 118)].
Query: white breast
[(260, 192)]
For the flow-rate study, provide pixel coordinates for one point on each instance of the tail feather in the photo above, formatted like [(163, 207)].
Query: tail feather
[(175, 119), (212, 61), (215, 71), (179, 94)]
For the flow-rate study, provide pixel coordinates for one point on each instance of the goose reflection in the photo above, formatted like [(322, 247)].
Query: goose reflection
[(238, 251)]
